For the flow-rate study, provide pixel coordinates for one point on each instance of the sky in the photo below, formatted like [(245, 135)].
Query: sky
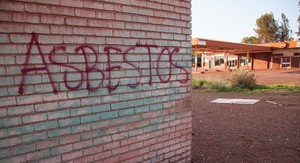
[(232, 20)]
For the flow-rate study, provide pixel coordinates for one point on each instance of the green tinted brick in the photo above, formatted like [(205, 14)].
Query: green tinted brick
[(6, 81), (90, 118), (69, 104), (111, 145), (157, 120), (89, 135), (150, 101), (10, 122), (61, 149), (3, 132), (119, 105), (58, 114), (48, 143), (38, 154), (156, 106), (136, 103), (151, 128), (171, 91), (3, 92), (124, 97), (29, 99), (46, 106), (175, 97), (82, 144), (100, 124), (34, 137), (21, 158), (155, 79), (135, 118), (90, 101), (69, 122), (42, 88), (34, 118), (10, 142), (100, 108), (23, 149), (81, 128), (7, 101), (163, 99), (144, 94), (3, 112), (94, 134), (77, 94), (20, 130), (175, 84), (102, 140), (99, 92), (142, 109), (126, 112), (20, 110), (59, 132), (45, 125), (136, 89), (4, 153), (81, 111), (111, 114), (135, 132), (175, 71), (33, 80), (182, 90), (120, 89), (118, 120), (111, 98)]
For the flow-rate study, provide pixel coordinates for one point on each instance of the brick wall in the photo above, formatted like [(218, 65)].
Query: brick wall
[(261, 61), (95, 80)]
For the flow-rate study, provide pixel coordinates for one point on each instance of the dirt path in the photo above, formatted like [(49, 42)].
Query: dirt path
[(262, 76), (262, 132)]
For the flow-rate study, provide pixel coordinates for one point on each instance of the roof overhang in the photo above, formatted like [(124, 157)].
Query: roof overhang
[(283, 45), (206, 45)]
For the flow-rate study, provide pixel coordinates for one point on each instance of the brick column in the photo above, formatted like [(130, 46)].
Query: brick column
[(89, 81)]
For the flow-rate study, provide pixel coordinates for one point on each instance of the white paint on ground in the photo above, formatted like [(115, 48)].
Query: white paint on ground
[(234, 101)]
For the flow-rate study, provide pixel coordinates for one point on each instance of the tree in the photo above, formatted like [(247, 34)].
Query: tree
[(284, 29), (267, 28), (251, 40)]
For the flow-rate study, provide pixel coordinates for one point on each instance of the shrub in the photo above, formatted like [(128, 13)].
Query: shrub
[(242, 79), (219, 86), (198, 83)]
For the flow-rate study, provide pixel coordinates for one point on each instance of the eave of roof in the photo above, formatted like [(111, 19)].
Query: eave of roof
[(282, 45), (207, 45)]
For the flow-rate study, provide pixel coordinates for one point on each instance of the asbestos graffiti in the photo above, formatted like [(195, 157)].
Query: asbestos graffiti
[(90, 69)]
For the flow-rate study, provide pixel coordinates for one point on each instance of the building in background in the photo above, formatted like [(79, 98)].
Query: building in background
[(285, 55), (222, 55)]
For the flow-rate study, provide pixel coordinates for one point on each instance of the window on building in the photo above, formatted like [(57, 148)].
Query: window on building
[(219, 61), (296, 54), (232, 63), (249, 60), (286, 62), (243, 61), (278, 54)]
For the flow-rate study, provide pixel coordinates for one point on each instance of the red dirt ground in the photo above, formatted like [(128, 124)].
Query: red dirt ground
[(263, 132)]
